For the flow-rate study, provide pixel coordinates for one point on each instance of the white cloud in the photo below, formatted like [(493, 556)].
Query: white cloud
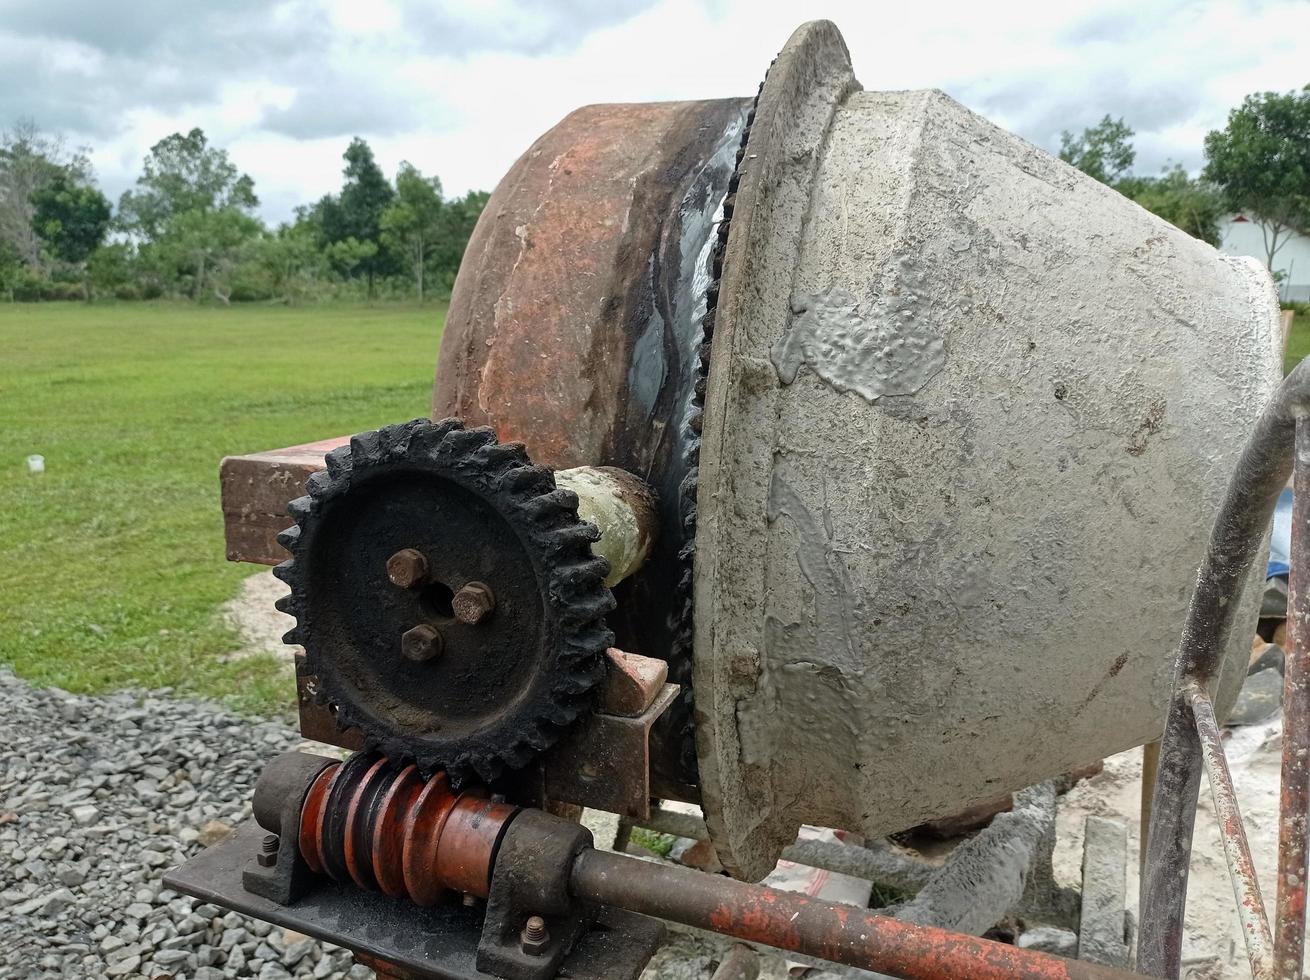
[(461, 89)]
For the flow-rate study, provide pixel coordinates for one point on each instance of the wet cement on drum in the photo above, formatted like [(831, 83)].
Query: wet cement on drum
[(892, 349)]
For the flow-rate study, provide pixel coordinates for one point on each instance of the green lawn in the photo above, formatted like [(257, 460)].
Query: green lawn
[(111, 563), (1298, 342)]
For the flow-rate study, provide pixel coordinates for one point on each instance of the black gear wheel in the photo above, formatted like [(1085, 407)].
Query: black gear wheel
[(499, 691)]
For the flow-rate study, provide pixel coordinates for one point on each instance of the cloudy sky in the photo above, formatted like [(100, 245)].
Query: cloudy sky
[(459, 89)]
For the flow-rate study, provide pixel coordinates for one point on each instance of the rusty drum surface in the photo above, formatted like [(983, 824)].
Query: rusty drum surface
[(968, 418)]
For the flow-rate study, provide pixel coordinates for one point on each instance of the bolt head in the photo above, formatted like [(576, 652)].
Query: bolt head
[(407, 568), (421, 643), (473, 603)]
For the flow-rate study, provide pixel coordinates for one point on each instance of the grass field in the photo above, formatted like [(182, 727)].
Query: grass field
[(1298, 342), (111, 562)]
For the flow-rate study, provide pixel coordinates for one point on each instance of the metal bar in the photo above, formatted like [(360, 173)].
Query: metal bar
[(1289, 915), (877, 861), (1239, 528), (1241, 868), (810, 926), (1150, 763)]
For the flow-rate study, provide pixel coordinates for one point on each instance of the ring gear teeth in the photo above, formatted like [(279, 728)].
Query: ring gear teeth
[(682, 644), (557, 633)]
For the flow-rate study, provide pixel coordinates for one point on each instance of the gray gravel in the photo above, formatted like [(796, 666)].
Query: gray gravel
[(98, 798)]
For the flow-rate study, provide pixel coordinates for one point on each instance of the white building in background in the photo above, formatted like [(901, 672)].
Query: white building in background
[(1239, 235)]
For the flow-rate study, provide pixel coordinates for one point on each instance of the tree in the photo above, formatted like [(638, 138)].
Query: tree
[(110, 269), (1261, 161), (459, 216), (10, 268), (288, 264), (205, 247), (71, 219), (1104, 151), (414, 220), (191, 212), (351, 255), (1195, 206), (183, 173), (357, 212), (29, 160)]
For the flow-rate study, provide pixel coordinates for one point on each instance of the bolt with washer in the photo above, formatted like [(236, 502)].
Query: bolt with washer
[(473, 603), (534, 938), (421, 643)]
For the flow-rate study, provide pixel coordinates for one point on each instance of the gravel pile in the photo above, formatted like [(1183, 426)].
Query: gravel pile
[(98, 798)]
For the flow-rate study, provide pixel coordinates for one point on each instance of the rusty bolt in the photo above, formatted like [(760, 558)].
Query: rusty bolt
[(267, 856), (423, 642), (534, 938), (407, 568), (472, 603)]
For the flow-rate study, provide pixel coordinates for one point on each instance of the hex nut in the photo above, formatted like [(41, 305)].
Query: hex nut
[(407, 568), (421, 643), (268, 848), (534, 939), (473, 603)]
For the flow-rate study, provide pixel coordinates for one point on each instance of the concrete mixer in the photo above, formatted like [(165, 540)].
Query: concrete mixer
[(825, 457)]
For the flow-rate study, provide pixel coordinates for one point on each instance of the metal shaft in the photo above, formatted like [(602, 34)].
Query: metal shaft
[(810, 926), (1289, 922)]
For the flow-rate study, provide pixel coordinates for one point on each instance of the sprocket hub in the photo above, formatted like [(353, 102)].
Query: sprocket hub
[(478, 646)]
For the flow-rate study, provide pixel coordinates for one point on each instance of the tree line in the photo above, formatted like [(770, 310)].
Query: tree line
[(1258, 165), (189, 229)]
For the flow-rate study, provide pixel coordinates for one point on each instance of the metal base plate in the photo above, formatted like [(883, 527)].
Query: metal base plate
[(439, 943)]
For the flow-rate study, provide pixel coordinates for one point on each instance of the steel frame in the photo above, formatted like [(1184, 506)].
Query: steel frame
[(1279, 447)]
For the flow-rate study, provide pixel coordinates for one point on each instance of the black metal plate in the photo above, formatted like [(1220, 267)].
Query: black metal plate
[(440, 943)]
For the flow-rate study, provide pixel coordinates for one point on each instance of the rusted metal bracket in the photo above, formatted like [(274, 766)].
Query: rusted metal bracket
[(317, 722), (605, 764)]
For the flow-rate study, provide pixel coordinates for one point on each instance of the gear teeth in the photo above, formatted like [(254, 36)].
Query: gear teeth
[(586, 573), (289, 537), (395, 439), (427, 437), (318, 483), (575, 537), (488, 769), (502, 455), (535, 480), (582, 611), (681, 646), (366, 447), (338, 463), (572, 584), (463, 442), (556, 503)]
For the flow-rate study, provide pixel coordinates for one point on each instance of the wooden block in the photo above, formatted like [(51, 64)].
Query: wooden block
[(255, 492)]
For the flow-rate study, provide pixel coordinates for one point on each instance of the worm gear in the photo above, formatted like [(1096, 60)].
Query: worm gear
[(394, 651)]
